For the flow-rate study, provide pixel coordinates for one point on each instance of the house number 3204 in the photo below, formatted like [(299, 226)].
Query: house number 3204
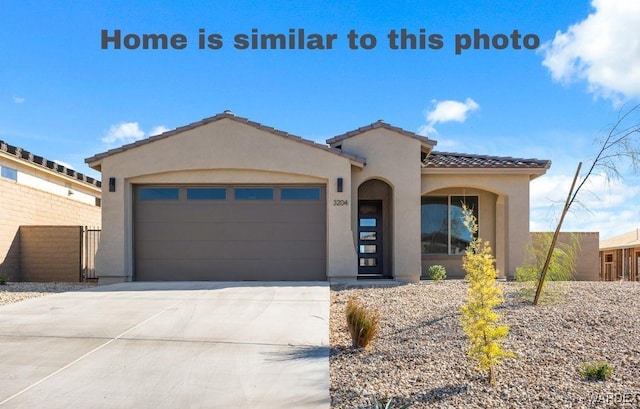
[(340, 202)]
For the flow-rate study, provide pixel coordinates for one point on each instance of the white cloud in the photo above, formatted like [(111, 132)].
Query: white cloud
[(19, 100), (603, 205), (122, 133), (65, 164), (127, 132), (597, 192), (158, 130), (447, 111), (425, 130), (602, 50)]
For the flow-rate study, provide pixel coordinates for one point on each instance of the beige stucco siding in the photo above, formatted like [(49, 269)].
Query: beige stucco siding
[(230, 151), (225, 152), (395, 159), (511, 209), (51, 181)]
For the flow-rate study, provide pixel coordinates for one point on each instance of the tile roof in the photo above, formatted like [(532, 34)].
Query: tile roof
[(233, 117), (381, 124), (624, 240), (464, 160), (45, 163)]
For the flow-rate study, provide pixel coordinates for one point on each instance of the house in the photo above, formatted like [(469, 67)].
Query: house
[(36, 191), (620, 257), (227, 198)]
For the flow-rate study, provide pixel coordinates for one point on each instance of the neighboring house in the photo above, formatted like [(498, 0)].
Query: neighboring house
[(37, 191), (620, 257), (226, 198)]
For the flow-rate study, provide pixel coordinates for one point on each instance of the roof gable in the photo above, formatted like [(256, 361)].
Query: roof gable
[(40, 161), (224, 115), (429, 143)]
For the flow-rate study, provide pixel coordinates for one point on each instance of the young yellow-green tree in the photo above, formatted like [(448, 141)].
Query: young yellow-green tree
[(479, 320)]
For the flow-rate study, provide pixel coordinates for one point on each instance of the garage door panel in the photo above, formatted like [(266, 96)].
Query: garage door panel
[(233, 212), (231, 270), (230, 231), (230, 239), (230, 249)]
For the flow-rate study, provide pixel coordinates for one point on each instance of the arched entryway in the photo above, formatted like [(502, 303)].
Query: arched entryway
[(374, 229)]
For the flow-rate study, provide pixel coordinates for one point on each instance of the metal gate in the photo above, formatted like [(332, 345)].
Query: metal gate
[(90, 240)]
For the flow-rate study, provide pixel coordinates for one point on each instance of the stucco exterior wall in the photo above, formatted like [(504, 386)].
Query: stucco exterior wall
[(50, 181), (225, 152), (512, 208), (394, 159), (22, 205)]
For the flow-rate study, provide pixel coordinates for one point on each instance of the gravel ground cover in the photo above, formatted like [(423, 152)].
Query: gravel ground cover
[(14, 292), (419, 354)]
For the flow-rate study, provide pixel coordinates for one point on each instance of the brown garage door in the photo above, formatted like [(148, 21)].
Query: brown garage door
[(230, 233)]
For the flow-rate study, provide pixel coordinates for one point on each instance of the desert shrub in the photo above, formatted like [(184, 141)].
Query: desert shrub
[(362, 323), (479, 320), (597, 371), (437, 272), (563, 259), (3, 279), (561, 266)]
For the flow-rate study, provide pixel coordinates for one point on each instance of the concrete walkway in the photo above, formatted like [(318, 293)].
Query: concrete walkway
[(168, 345)]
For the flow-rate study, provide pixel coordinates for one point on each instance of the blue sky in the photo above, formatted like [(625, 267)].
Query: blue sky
[(65, 98)]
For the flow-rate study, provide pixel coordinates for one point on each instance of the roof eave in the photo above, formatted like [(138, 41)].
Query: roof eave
[(95, 164), (96, 160), (426, 142), (533, 172), (620, 247), (39, 163)]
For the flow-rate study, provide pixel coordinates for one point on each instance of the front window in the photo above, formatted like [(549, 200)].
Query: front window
[(442, 225)]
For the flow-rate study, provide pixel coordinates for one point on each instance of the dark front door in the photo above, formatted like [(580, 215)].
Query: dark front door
[(370, 238)]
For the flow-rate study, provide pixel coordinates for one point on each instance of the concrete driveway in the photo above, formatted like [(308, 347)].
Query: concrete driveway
[(168, 345)]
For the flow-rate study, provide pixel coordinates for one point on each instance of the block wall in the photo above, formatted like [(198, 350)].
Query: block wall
[(24, 206), (50, 253)]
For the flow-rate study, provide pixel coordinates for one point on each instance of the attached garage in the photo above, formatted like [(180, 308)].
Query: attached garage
[(229, 232), (226, 198)]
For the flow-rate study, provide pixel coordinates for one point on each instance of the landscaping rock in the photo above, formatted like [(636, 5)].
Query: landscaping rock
[(419, 355)]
